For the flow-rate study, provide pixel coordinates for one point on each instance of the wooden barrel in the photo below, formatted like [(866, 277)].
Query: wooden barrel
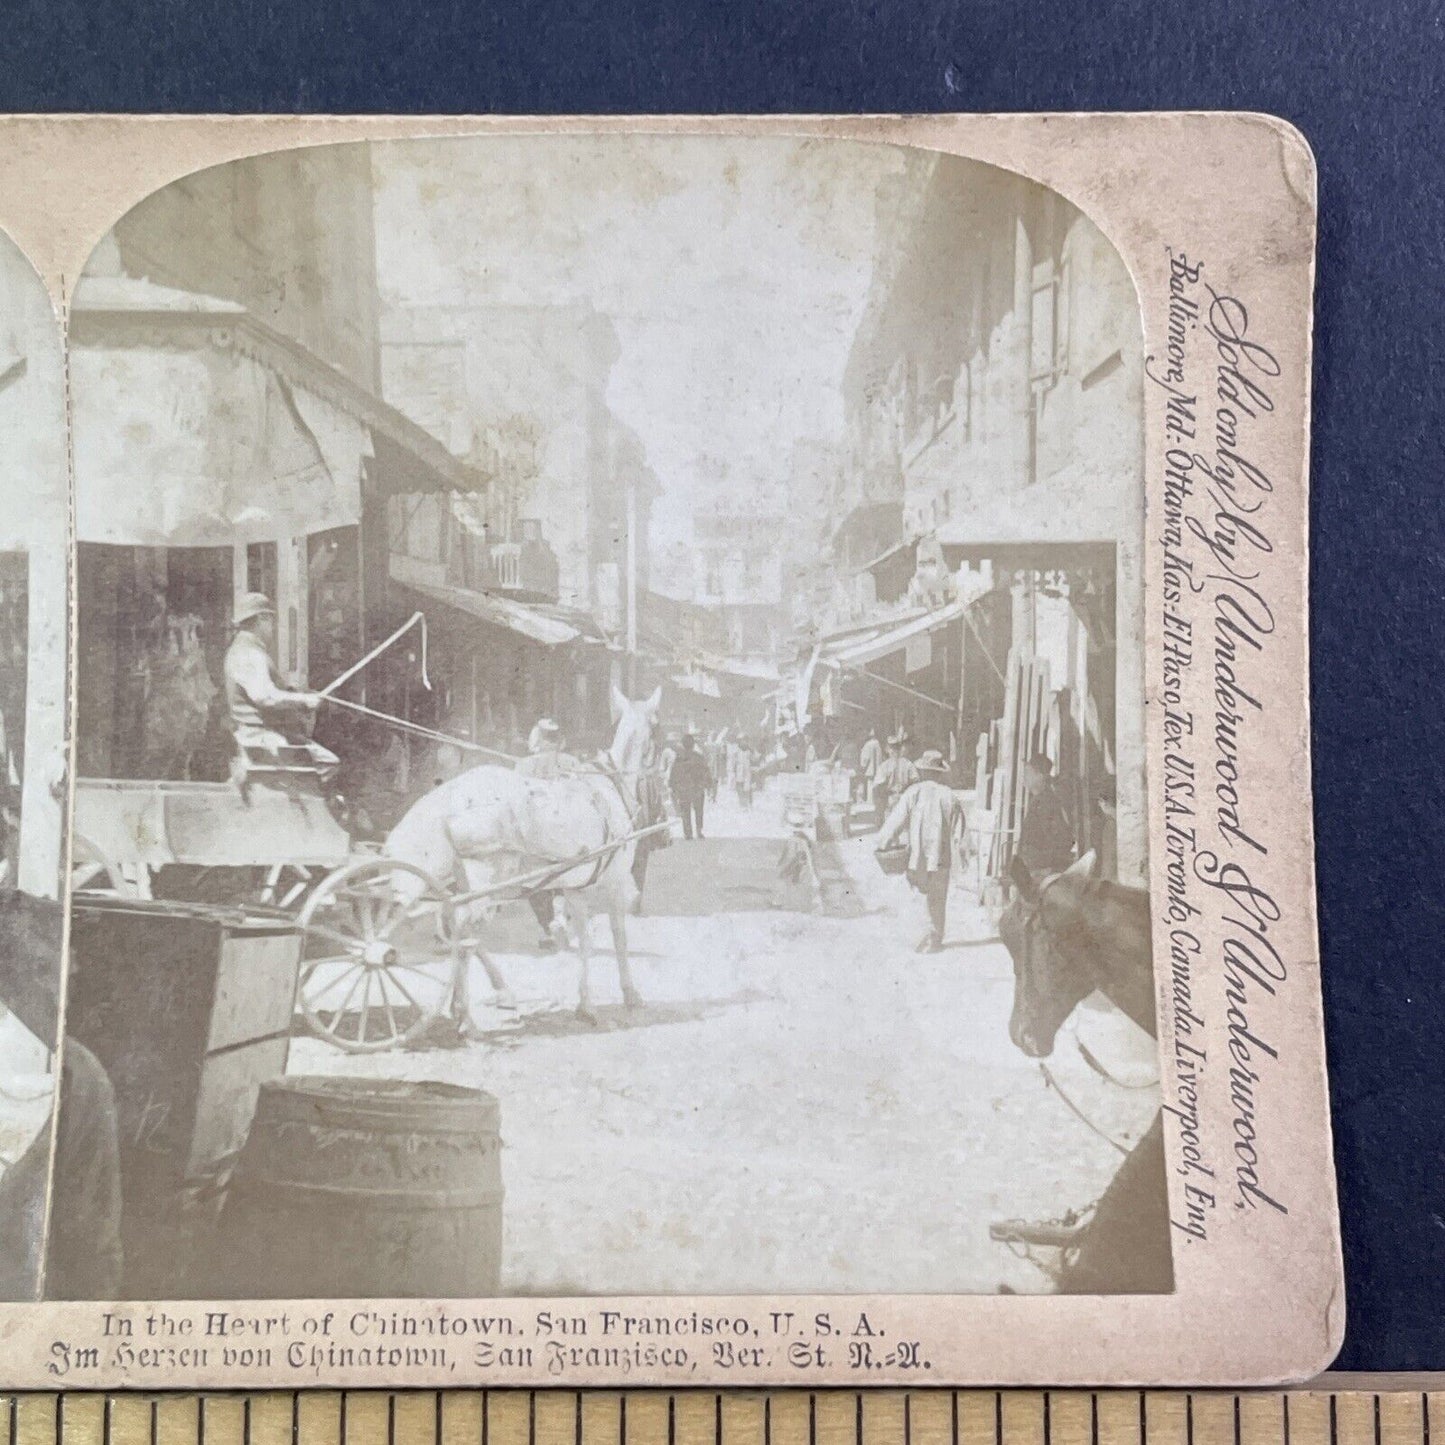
[(366, 1187)]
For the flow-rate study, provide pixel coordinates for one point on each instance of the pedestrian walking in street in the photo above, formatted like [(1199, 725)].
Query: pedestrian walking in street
[(690, 781), (848, 756), (1046, 836), (931, 816), (896, 774), (743, 774), (870, 760), (713, 754)]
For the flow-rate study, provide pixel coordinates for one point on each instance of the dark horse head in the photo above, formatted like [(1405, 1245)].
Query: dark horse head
[(1069, 934)]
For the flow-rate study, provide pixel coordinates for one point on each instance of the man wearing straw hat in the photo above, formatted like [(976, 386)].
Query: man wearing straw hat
[(266, 716), (931, 815)]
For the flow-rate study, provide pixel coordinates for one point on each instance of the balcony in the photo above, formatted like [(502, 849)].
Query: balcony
[(526, 570), (507, 566)]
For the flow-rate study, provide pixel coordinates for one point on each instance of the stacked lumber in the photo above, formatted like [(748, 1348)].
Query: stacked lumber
[(1030, 724)]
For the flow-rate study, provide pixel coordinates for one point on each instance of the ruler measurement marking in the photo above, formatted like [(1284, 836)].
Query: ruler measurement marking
[(743, 1417)]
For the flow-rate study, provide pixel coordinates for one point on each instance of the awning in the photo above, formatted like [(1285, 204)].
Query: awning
[(197, 447), (536, 623), (744, 669), (961, 542), (858, 649), (196, 424), (702, 683), (909, 544)]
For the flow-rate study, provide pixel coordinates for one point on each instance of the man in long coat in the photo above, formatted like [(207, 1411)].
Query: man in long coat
[(691, 781), (931, 816)]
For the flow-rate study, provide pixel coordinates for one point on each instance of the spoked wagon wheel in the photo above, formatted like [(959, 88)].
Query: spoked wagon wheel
[(378, 961)]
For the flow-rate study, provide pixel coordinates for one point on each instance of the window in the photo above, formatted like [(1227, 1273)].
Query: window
[(1043, 329), (1064, 315), (261, 568)]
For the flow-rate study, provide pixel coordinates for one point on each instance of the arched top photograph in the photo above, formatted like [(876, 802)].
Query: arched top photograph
[(735, 538)]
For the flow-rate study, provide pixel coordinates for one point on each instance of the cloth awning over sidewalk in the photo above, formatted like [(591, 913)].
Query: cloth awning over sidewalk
[(536, 623), (197, 424), (856, 648), (859, 648)]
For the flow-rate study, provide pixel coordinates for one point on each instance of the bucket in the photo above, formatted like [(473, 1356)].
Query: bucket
[(380, 1188), (893, 861)]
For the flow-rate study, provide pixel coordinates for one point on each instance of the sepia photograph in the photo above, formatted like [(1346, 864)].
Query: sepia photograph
[(610, 744), (34, 582)]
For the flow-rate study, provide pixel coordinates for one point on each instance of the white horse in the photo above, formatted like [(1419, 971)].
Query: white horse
[(491, 823)]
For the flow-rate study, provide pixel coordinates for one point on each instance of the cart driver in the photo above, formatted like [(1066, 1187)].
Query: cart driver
[(545, 758), (265, 715)]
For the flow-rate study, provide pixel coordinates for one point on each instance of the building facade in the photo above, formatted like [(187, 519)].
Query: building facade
[(228, 435), (520, 392), (994, 461)]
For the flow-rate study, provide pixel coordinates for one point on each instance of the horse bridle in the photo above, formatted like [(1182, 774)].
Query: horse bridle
[(1037, 907)]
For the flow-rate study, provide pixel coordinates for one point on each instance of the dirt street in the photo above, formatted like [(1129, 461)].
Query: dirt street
[(804, 1104)]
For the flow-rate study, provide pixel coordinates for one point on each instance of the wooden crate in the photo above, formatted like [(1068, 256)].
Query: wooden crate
[(189, 1010)]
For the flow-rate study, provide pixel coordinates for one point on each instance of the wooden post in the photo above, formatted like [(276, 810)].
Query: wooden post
[(42, 817)]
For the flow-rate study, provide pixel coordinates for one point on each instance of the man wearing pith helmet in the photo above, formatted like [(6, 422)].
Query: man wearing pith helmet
[(266, 716)]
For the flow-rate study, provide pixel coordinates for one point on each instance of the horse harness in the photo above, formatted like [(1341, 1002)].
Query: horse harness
[(608, 849)]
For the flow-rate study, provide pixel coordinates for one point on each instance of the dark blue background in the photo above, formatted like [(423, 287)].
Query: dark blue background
[(1362, 80)]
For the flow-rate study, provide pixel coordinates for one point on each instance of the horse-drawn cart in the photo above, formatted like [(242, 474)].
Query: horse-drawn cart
[(385, 946)]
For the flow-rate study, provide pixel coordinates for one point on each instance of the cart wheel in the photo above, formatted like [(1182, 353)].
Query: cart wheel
[(378, 962)]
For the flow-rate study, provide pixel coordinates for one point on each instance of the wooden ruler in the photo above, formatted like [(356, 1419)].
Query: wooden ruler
[(1351, 1415)]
